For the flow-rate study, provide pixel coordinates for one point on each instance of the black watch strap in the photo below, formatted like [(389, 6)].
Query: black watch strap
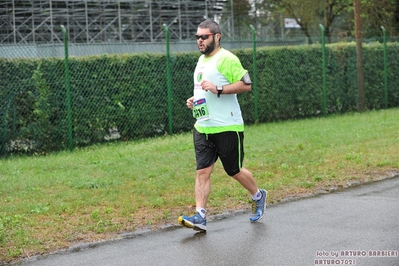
[(219, 89)]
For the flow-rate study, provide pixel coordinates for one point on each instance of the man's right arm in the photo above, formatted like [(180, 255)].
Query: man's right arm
[(190, 102)]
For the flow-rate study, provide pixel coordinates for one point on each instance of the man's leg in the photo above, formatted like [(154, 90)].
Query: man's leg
[(258, 205), (245, 178), (202, 191), (203, 186), (232, 162), (205, 154)]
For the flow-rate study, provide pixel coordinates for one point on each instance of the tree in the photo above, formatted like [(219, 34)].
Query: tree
[(331, 10), (240, 19), (310, 13), (304, 12), (379, 13), (338, 15), (396, 18)]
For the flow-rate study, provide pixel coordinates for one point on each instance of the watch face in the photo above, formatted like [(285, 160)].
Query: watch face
[(219, 88)]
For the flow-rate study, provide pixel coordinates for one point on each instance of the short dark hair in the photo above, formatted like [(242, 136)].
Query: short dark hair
[(213, 26)]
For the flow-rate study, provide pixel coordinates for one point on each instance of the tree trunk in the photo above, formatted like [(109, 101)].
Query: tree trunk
[(359, 56)]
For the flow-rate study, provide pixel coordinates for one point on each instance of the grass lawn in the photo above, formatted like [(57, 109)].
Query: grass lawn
[(96, 193)]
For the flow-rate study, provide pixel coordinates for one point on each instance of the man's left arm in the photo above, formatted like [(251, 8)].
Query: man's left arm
[(232, 69), (236, 87), (243, 85), (239, 78), (233, 88)]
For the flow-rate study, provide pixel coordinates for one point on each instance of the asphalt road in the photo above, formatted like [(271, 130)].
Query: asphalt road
[(358, 226)]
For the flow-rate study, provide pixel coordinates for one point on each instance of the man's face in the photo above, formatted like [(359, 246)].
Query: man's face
[(206, 42)]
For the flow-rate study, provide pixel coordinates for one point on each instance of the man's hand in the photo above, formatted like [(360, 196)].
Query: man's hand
[(209, 86), (190, 102)]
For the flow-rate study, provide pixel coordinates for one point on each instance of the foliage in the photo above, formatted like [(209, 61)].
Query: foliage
[(125, 97), (337, 16), (379, 13)]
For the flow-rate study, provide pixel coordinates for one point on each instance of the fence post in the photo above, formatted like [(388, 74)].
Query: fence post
[(168, 80), (4, 128), (385, 68), (68, 89), (255, 78), (323, 51)]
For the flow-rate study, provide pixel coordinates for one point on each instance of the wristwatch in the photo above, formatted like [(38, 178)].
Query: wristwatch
[(219, 89)]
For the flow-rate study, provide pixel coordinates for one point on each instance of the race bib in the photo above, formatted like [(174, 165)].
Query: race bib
[(200, 110)]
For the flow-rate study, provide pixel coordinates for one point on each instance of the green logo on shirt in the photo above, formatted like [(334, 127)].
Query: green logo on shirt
[(199, 76)]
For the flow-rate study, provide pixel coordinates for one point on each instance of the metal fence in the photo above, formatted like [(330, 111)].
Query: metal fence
[(56, 97)]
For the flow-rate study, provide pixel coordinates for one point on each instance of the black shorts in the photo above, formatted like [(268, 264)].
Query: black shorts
[(228, 146)]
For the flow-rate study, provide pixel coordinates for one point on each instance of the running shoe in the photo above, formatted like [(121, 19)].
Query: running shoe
[(258, 207), (195, 222)]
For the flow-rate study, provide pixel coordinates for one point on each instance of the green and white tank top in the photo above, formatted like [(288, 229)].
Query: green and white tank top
[(213, 114)]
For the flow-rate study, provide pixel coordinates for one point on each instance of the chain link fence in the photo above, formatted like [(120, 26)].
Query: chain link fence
[(55, 97)]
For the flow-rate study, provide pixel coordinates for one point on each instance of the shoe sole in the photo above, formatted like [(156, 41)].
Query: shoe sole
[(264, 209), (188, 224)]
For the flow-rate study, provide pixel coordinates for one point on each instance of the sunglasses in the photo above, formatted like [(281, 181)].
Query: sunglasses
[(204, 36)]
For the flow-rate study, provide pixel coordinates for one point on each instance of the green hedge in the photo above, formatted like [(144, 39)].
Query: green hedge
[(124, 97)]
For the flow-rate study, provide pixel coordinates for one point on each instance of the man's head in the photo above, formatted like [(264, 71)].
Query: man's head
[(208, 37)]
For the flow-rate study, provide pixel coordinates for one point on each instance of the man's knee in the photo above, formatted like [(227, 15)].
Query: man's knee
[(233, 172), (204, 172)]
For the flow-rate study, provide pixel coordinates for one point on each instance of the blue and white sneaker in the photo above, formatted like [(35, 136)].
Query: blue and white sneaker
[(195, 222), (258, 207)]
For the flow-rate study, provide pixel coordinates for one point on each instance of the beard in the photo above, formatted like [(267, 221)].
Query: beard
[(209, 48)]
